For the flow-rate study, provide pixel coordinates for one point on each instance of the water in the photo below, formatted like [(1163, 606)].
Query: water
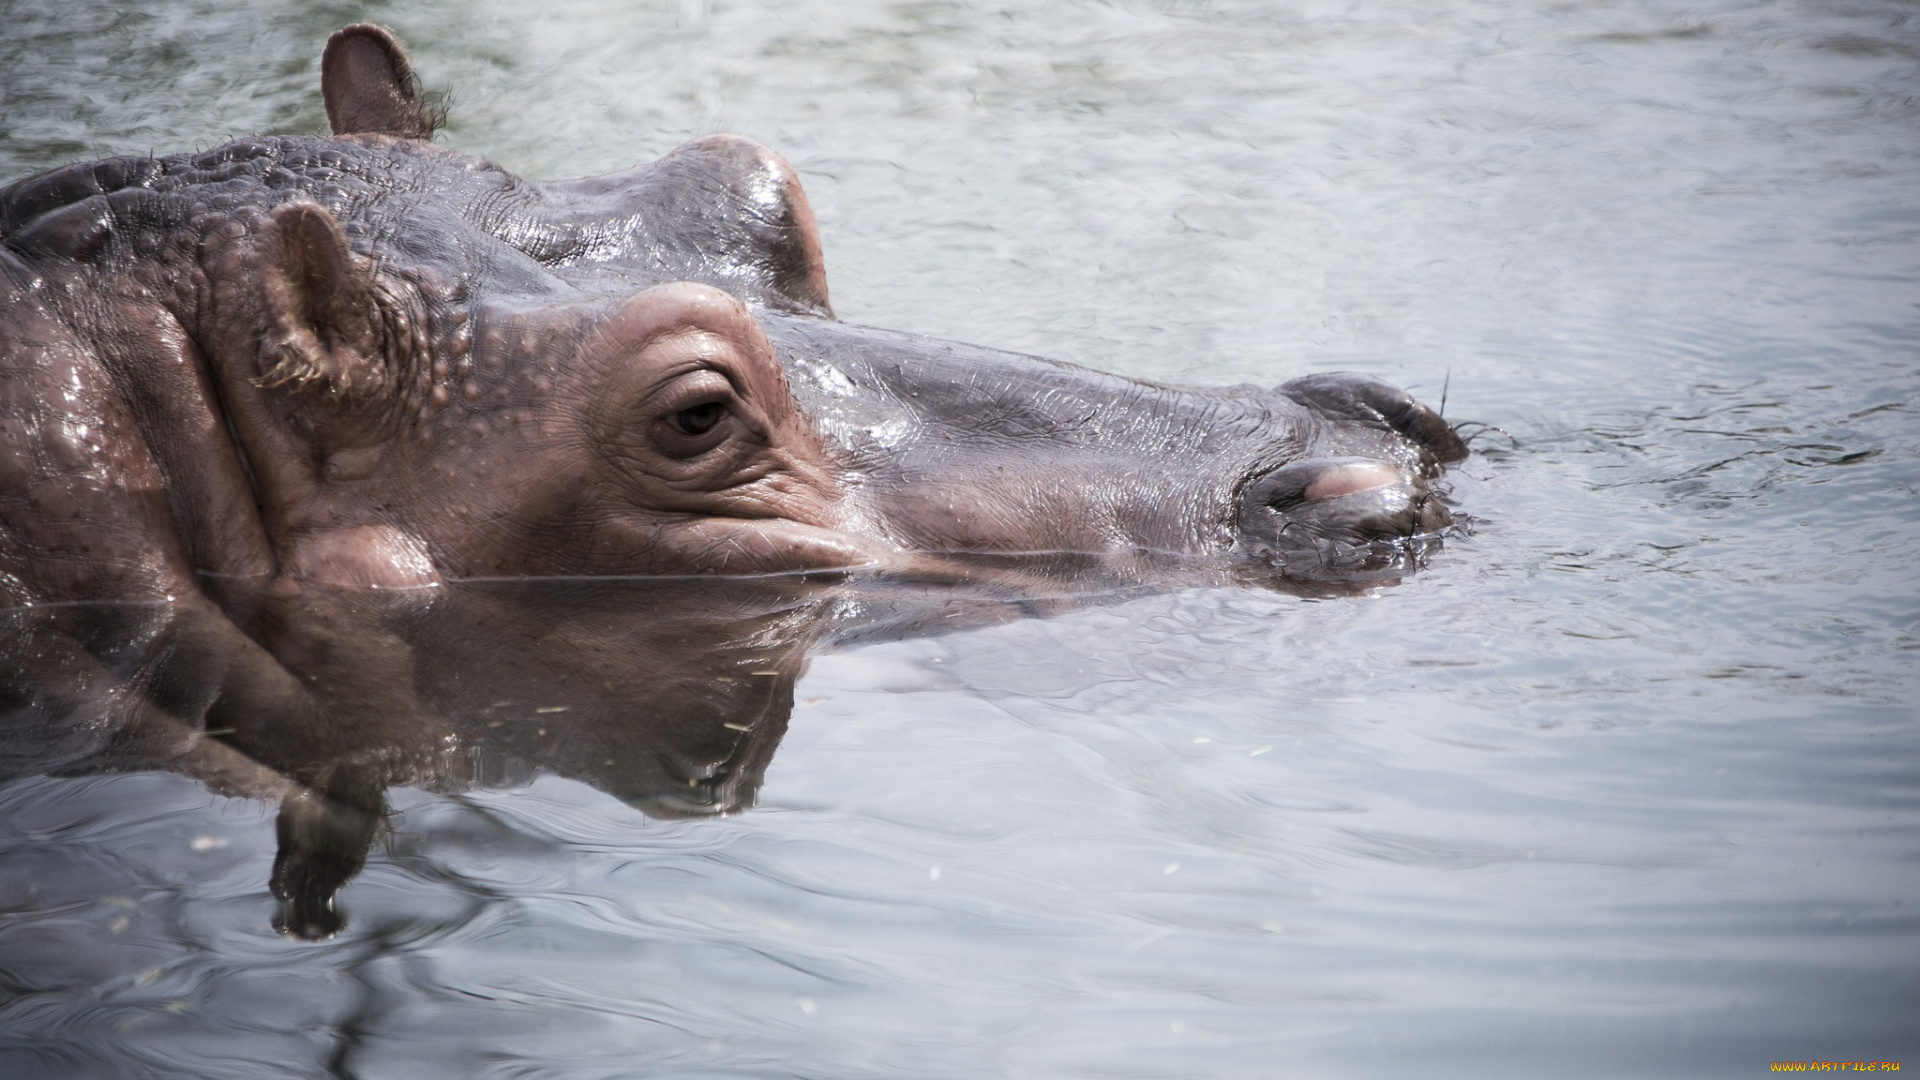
[(1623, 785)]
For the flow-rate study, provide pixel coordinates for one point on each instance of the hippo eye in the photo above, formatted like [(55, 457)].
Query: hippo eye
[(699, 419), (696, 413)]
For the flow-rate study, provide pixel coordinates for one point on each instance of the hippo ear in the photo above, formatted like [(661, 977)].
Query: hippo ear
[(322, 324), (722, 210), (369, 86), (735, 188)]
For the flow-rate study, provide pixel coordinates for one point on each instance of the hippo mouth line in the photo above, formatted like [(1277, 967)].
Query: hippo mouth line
[(1338, 559)]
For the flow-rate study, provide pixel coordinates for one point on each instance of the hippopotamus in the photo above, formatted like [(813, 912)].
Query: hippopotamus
[(274, 413), (366, 359)]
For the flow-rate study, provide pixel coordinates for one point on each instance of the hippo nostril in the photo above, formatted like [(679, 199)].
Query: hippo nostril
[(1305, 482), (1351, 478)]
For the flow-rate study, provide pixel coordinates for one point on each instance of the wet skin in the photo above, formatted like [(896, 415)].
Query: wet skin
[(254, 386)]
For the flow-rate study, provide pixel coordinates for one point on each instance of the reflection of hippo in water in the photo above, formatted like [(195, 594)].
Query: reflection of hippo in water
[(231, 382), (669, 693)]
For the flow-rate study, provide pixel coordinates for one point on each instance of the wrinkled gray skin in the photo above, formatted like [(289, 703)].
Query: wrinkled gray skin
[(259, 385)]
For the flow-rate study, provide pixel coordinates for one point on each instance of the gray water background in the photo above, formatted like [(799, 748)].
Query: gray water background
[(1623, 785)]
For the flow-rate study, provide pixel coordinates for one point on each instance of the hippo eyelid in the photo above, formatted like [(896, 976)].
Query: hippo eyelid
[(671, 392), (689, 387), (710, 352)]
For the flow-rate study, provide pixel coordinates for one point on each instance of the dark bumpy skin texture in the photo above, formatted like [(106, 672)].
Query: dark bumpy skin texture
[(246, 394)]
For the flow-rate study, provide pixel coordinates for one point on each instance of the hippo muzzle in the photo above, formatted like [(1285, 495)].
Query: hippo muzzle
[(1334, 517), (1365, 505)]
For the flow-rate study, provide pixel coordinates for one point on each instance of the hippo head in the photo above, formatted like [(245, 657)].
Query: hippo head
[(435, 369), (401, 427)]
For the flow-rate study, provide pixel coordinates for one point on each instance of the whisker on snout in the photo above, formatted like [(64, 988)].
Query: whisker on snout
[(1482, 430)]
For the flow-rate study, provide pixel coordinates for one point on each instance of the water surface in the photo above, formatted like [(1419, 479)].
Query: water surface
[(1623, 784)]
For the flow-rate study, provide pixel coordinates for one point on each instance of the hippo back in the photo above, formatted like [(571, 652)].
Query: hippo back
[(721, 210)]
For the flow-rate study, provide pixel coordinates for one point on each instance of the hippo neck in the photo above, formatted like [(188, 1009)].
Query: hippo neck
[(150, 259)]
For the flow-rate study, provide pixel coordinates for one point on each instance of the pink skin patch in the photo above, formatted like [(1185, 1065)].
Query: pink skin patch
[(1350, 479), (361, 557)]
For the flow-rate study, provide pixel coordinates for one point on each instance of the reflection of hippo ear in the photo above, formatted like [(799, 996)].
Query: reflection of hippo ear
[(321, 323), (369, 87), (721, 210), (747, 735), (702, 750)]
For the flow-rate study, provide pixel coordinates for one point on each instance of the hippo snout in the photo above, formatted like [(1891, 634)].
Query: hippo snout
[(1338, 516)]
